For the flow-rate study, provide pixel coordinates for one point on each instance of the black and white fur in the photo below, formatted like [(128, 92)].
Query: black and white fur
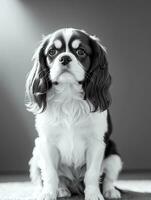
[(68, 91)]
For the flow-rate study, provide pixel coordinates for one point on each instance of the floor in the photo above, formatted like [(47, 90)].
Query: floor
[(134, 181), (136, 186)]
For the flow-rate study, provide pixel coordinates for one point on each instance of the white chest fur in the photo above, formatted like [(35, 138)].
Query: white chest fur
[(68, 124)]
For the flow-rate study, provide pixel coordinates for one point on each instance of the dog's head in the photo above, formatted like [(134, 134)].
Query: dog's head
[(73, 56)]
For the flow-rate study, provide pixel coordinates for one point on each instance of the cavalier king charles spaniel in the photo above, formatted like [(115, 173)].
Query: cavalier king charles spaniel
[(68, 92)]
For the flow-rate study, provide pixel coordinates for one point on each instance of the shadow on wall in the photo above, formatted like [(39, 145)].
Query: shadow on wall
[(15, 145)]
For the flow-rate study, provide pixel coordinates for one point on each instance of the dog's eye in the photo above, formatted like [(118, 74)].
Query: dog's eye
[(52, 52), (80, 52)]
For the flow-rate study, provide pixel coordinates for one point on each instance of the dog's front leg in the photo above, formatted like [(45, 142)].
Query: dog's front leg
[(49, 158), (94, 158)]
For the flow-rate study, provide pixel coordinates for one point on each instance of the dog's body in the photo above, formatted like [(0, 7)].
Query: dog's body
[(74, 125)]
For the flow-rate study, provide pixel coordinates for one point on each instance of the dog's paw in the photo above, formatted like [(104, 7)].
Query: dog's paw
[(63, 192), (93, 193), (112, 193)]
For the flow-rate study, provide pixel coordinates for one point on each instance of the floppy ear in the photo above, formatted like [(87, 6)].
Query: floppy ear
[(97, 80), (38, 81)]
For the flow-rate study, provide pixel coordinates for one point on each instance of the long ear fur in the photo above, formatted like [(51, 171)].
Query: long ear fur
[(97, 80), (38, 82)]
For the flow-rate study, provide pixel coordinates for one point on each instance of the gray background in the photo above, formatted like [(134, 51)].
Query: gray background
[(124, 28)]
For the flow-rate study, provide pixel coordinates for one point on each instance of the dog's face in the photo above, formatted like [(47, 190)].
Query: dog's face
[(69, 56)]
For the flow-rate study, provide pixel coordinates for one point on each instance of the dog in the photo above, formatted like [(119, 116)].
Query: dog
[(68, 92)]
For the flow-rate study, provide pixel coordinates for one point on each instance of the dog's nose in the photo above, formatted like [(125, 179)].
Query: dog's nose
[(65, 60)]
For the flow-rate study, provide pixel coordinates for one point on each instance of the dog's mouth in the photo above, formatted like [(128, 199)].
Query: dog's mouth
[(65, 71)]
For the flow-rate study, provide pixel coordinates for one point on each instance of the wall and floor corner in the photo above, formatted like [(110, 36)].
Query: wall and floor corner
[(124, 28)]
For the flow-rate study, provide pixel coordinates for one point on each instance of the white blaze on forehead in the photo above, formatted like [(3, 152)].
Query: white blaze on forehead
[(67, 33), (75, 44), (58, 44)]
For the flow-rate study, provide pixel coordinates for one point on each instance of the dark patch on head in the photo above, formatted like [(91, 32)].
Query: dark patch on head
[(53, 47)]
